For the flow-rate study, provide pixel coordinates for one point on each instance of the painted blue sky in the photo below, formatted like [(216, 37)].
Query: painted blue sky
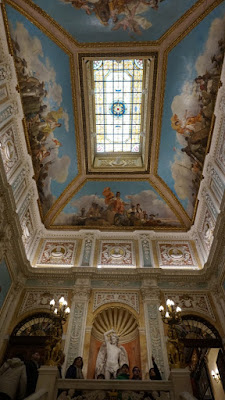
[(5, 281), (131, 192), (182, 68), (88, 28), (48, 54)]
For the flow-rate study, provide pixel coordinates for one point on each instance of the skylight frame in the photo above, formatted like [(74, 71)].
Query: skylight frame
[(121, 162), (118, 104)]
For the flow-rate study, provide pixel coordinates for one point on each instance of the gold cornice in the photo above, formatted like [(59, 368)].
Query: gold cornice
[(173, 195), (112, 44), (35, 22), (59, 199)]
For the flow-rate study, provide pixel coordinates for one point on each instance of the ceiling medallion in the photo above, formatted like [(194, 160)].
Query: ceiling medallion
[(118, 108), (175, 253)]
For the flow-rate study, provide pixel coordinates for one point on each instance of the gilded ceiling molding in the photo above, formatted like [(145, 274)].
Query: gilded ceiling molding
[(174, 199), (63, 200), (137, 44), (19, 8)]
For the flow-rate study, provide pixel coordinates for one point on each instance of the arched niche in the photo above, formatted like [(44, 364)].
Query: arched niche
[(30, 335), (199, 337), (125, 324)]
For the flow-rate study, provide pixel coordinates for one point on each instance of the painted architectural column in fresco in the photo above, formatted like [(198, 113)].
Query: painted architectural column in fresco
[(76, 327), (156, 345)]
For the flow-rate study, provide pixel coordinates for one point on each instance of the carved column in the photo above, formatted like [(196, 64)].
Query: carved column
[(156, 345), (218, 299), (8, 311), (76, 328)]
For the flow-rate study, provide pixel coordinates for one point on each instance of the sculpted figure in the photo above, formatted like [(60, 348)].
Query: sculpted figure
[(111, 356)]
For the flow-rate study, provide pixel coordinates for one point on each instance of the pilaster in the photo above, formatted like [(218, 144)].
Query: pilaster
[(156, 345), (74, 343)]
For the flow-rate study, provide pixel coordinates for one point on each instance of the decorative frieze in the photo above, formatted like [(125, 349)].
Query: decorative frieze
[(145, 251), (220, 150), (87, 250), (27, 227), (197, 302), (5, 72), (3, 93), (8, 150), (116, 253), (207, 230), (217, 184), (175, 254), (57, 253), (7, 111), (129, 298), (34, 300), (210, 203), (20, 183)]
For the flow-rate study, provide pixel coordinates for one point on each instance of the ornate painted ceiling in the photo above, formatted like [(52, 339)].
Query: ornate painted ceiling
[(50, 41)]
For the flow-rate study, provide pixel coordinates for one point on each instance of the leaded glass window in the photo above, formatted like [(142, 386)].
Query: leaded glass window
[(118, 105)]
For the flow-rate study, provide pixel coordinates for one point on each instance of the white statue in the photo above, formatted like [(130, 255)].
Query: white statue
[(111, 356)]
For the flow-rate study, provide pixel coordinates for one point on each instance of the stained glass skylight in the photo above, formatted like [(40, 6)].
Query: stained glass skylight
[(118, 101)]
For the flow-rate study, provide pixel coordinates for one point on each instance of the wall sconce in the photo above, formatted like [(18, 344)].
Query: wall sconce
[(61, 312), (216, 376)]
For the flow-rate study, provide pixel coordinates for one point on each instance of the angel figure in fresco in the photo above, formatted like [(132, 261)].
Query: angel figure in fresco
[(111, 356)]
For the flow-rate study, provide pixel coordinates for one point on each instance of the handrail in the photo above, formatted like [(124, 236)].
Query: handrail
[(90, 384), (38, 395)]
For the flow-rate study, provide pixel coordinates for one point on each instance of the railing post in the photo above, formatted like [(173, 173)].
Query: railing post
[(180, 378), (47, 379)]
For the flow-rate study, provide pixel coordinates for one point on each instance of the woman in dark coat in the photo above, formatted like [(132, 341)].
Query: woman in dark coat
[(75, 370)]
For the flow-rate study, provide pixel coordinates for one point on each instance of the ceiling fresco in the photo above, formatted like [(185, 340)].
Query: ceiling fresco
[(115, 20), (184, 86), (192, 80), (45, 88), (117, 204)]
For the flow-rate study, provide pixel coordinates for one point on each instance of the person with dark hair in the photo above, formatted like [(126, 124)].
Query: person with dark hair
[(101, 376), (124, 372), (154, 373), (13, 379), (32, 367), (136, 374), (75, 370)]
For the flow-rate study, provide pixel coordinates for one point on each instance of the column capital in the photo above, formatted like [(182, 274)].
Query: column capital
[(150, 294), (81, 293)]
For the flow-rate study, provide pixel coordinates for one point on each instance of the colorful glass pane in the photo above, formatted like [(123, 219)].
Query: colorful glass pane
[(118, 97)]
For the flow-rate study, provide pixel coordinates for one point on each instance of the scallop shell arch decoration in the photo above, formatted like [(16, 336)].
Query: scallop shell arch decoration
[(119, 319)]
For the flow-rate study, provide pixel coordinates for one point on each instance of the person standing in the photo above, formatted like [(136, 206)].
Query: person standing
[(136, 374), (154, 373), (32, 367), (75, 370), (13, 379)]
